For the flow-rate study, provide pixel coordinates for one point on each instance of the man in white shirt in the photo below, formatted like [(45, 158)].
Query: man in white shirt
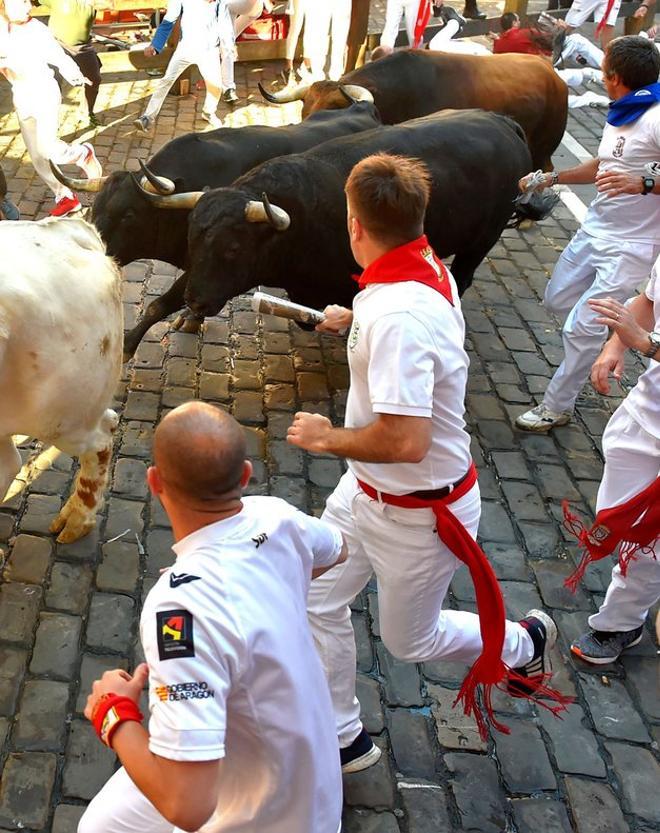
[(614, 250), (240, 735), (631, 445), (409, 504), (206, 25)]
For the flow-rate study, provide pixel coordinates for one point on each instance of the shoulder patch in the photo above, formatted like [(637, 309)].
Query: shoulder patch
[(175, 634)]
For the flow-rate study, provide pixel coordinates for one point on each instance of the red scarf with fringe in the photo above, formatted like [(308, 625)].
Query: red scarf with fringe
[(422, 21), (633, 526), (416, 261), (603, 21)]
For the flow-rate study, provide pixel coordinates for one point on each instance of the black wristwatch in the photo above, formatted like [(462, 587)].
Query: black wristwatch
[(648, 184)]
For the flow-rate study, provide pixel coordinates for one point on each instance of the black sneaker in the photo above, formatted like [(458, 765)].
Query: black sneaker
[(543, 632), (361, 754), (229, 96), (603, 647), (447, 13)]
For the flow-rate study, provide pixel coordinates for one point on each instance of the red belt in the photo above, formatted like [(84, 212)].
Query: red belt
[(422, 499)]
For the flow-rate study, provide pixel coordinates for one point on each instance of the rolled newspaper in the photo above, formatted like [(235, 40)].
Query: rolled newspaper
[(271, 305)]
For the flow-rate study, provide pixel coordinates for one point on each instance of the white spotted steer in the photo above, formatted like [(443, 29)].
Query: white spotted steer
[(61, 331)]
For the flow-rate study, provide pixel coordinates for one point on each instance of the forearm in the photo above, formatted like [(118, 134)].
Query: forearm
[(579, 175), (371, 444), (131, 744)]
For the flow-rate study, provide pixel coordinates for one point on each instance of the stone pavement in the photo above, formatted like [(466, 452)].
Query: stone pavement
[(69, 612)]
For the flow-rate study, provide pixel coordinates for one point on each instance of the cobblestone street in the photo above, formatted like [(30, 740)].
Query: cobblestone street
[(67, 613)]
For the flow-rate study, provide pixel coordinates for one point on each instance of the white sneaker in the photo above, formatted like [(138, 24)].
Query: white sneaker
[(542, 419), (90, 164), (593, 76), (143, 124), (212, 119)]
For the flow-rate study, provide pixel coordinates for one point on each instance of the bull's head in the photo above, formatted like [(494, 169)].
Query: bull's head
[(322, 95), (228, 235), (125, 214)]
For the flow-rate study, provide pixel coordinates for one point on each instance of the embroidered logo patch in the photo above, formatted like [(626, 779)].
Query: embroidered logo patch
[(427, 254), (182, 578), (353, 337), (598, 534), (184, 691), (175, 634)]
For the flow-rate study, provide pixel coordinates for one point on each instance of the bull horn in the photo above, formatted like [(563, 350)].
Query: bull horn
[(285, 96), (186, 200), (91, 185), (354, 93), (257, 211), (159, 184)]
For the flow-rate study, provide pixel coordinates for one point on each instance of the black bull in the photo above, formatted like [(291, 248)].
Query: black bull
[(136, 224), (298, 239)]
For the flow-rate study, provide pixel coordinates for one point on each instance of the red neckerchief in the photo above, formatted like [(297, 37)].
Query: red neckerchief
[(423, 17), (414, 261)]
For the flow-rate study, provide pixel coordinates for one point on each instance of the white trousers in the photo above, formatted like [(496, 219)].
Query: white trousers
[(413, 569), (39, 132), (245, 12), (632, 462), (394, 11), (578, 47), (297, 19), (120, 807), (589, 267), (208, 63), (444, 42), (321, 17)]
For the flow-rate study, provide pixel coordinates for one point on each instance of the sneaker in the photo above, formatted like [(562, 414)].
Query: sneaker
[(603, 647), (361, 754), (543, 632), (94, 120), (143, 124), (592, 75), (90, 164), (229, 96), (9, 210), (65, 207), (542, 419), (212, 119)]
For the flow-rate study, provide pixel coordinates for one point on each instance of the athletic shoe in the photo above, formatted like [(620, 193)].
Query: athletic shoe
[(361, 754), (94, 120), (229, 96), (603, 647), (65, 207), (212, 119), (447, 13), (592, 75), (90, 164), (540, 420), (9, 210), (143, 124), (543, 632)]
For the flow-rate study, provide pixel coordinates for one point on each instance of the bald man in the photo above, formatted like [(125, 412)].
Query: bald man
[(241, 735)]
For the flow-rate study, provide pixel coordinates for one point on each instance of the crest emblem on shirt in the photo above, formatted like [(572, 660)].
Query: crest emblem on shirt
[(353, 337), (427, 254), (618, 147), (174, 631)]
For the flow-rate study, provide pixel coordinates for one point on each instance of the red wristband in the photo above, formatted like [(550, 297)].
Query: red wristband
[(110, 711)]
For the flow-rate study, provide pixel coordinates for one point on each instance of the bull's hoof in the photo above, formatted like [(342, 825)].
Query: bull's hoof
[(71, 527), (188, 324)]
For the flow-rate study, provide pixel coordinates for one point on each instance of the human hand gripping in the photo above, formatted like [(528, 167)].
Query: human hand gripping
[(118, 682), (337, 320), (309, 431), (149, 51)]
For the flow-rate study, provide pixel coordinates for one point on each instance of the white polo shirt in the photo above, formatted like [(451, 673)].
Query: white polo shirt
[(643, 401), (631, 217), (406, 356), (234, 674)]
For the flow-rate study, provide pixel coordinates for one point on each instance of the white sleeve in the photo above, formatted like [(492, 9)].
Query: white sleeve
[(401, 366), (324, 540), (174, 9), (190, 676), (54, 55)]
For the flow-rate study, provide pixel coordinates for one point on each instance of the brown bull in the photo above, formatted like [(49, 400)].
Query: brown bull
[(415, 82)]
